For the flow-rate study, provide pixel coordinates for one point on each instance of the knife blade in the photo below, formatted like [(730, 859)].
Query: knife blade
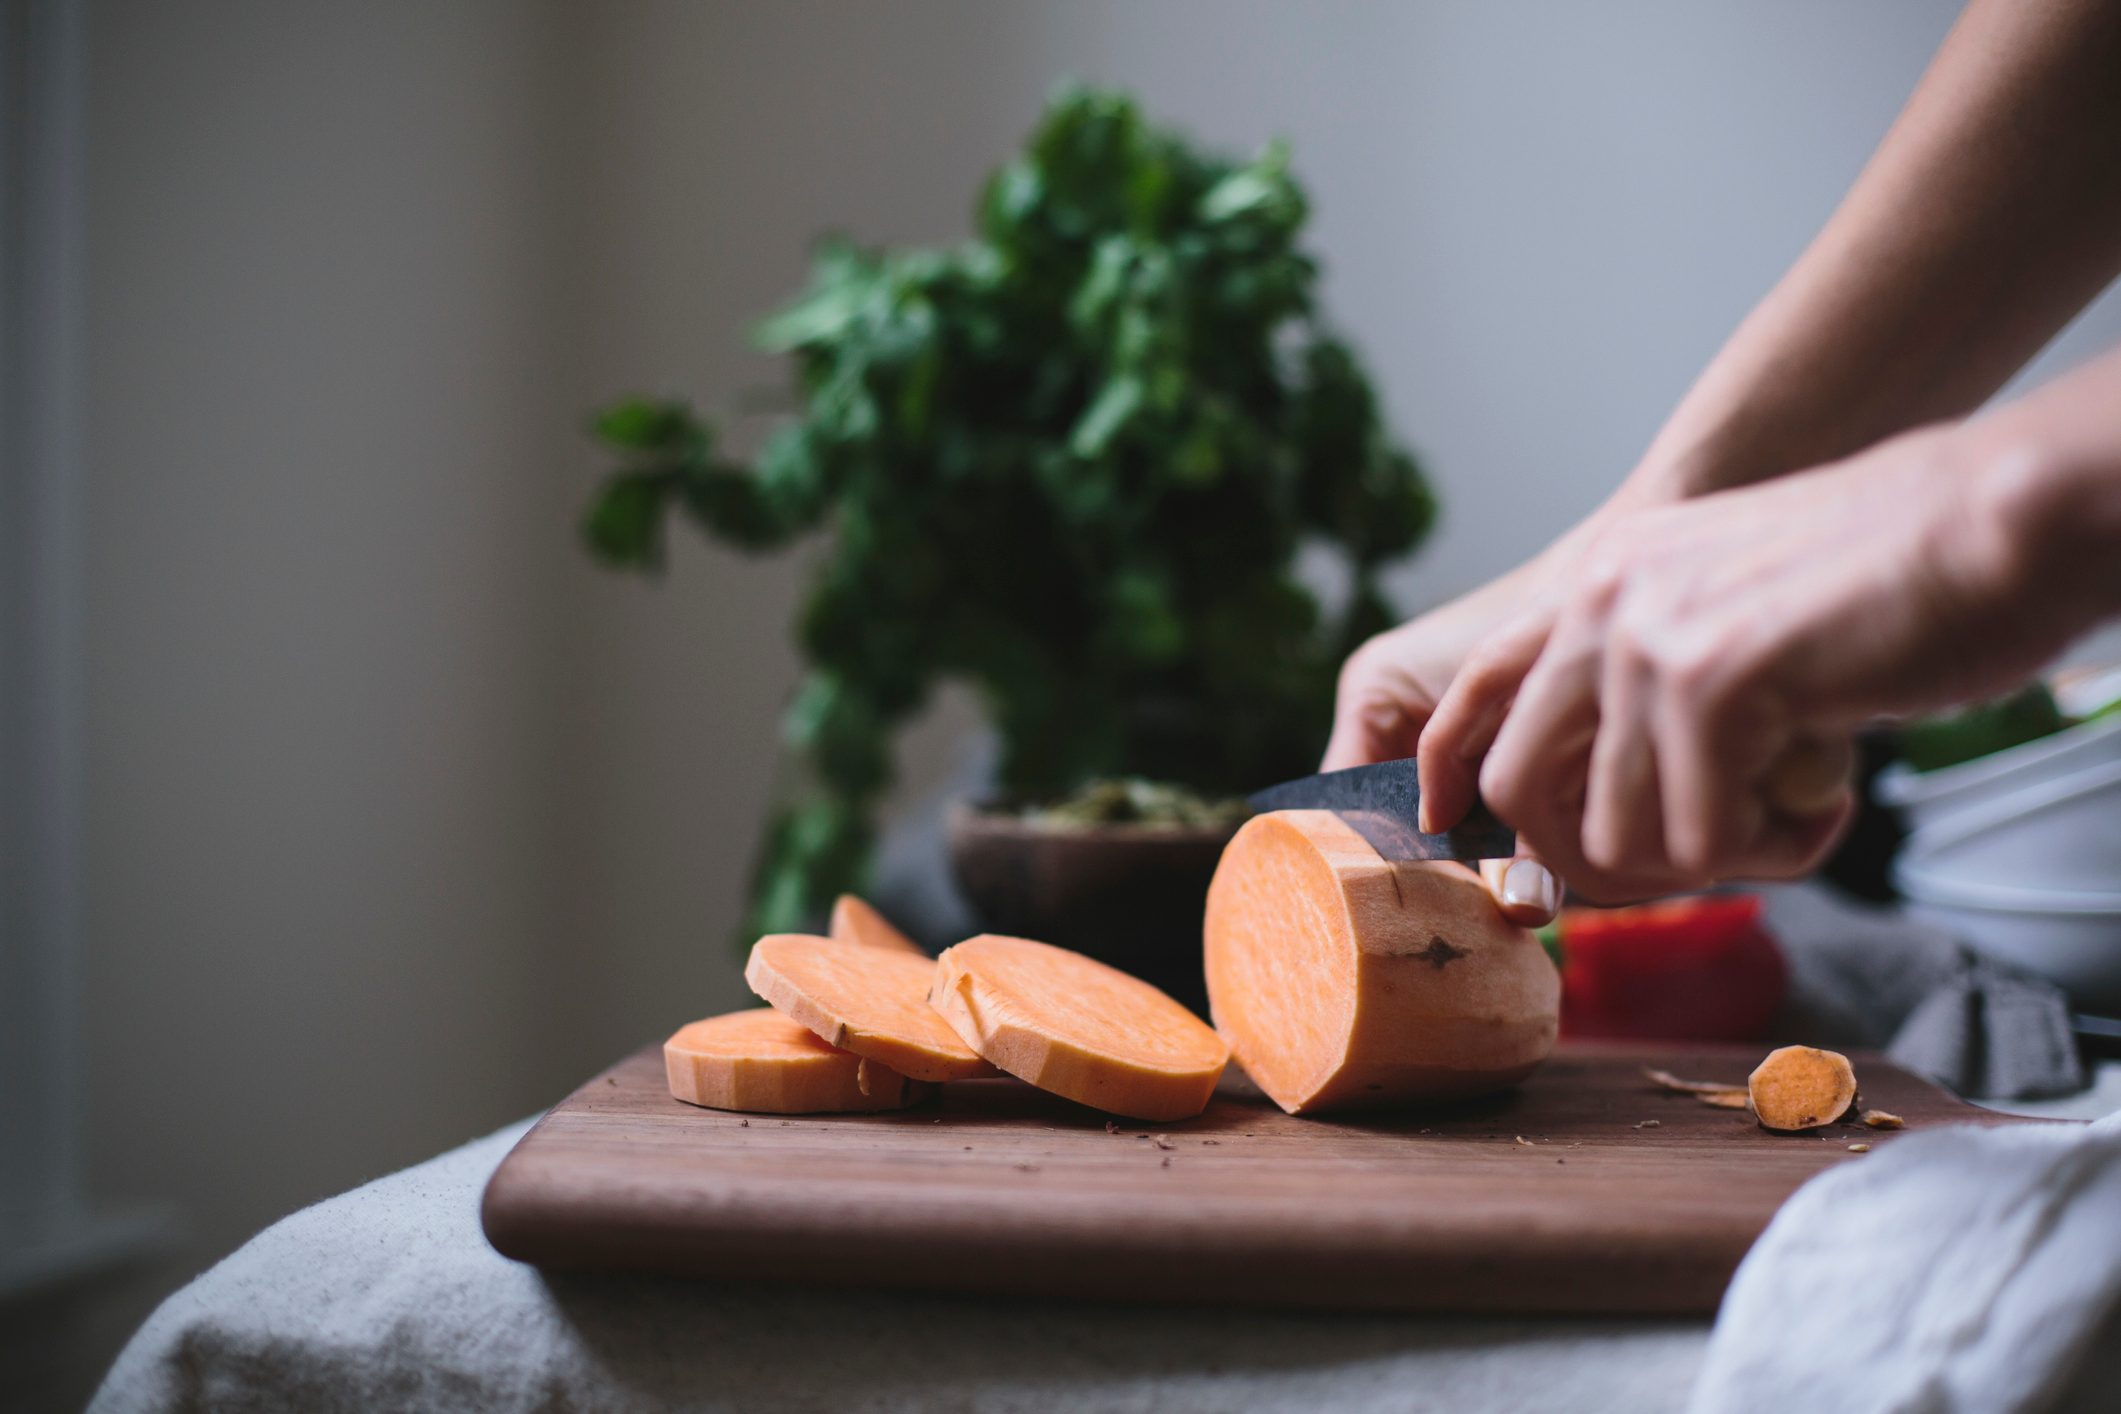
[(1382, 803)]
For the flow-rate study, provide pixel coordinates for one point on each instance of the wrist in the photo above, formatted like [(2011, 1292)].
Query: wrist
[(2044, 516)]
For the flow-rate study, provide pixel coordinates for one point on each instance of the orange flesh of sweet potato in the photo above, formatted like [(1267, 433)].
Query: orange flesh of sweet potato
[(1071, 1025), (760, 1062), (855, 921), (1342, 980), (871, 1001), (1801, 1087)]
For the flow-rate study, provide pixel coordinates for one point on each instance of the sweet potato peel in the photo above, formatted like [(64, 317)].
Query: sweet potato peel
[(1665, 1080)]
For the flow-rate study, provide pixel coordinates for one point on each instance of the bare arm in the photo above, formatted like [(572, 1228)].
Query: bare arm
[(1705, 638), (1989, 216)]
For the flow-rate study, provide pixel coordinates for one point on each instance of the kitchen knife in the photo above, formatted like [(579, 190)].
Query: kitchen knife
[(1382, 804)]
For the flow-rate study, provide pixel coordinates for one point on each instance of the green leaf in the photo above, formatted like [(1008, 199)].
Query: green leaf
[(642, 424), (624, 524), (1116, 402)]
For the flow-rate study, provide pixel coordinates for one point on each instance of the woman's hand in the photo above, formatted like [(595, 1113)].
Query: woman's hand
[(1390, 685), (1630, 737)]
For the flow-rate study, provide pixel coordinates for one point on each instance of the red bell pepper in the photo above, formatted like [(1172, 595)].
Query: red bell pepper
[(1689, 969)]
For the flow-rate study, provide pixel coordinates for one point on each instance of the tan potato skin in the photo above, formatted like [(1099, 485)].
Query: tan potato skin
[(1343, 981)]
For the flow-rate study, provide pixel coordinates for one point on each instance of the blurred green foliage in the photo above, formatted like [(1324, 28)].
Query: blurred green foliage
[(1072, 462), (1932, 743)]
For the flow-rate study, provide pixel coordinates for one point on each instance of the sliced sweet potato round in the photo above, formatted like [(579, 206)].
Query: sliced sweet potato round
[(1801, 1087), (871, 1001), (1342, 980), (1072, 1025), (856, 921), (760, 1062)]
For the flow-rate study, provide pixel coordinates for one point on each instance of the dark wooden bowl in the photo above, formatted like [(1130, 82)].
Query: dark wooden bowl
[(1129, 895)]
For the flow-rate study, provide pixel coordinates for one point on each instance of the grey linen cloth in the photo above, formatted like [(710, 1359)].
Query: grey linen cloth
[(1865, 976), (388, 1298)]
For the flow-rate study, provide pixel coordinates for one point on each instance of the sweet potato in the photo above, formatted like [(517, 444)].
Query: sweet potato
[(1070, 1024), (871, 1001), (1342, 980), (760, 1062), (855, 921), (1801, 1087)]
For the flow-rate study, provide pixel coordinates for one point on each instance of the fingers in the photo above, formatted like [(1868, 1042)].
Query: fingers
[(1790, 848), (1525, 890), (1557, 751), (1623, 816), (1533, 774), (1711, 759), (1378, 710), (1463, 726)]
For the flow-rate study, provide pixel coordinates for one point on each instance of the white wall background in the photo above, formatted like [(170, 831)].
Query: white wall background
[(400, 816)]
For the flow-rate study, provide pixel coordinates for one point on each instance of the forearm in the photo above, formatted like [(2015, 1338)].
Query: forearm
[(1988, 217)]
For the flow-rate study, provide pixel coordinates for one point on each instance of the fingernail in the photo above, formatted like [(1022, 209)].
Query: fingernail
[(1527, 884)]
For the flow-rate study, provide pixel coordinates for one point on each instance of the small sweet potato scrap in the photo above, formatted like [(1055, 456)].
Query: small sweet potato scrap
[(1665, 1080), (1801, 1087), (1882, 1119), (1709, 1092)]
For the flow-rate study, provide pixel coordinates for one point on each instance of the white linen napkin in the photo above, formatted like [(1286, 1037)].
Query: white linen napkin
[(1969, 1269)]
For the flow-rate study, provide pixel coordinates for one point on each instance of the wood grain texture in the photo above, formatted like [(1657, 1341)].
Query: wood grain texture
[(995, 1187)]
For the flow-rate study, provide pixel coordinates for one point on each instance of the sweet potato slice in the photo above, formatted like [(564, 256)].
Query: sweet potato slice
[(1074, 1026), (1802, 1087), (1342, 980), (855, 921), (871, 1001), (760, 1062)]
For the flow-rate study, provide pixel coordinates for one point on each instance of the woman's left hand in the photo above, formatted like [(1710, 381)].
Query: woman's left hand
[(1713, 651)]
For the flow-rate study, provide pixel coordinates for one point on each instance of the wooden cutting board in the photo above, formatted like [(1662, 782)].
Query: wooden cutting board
[(1587, 1190)]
